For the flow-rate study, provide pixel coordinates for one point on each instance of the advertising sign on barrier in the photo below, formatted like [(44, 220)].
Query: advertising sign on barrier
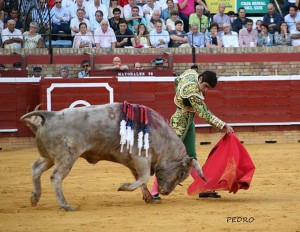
[(251, 6)]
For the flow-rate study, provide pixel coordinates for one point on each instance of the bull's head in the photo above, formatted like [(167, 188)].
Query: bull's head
[(176, 172)]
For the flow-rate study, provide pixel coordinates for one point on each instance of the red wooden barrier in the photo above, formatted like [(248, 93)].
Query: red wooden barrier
[(272, 102)]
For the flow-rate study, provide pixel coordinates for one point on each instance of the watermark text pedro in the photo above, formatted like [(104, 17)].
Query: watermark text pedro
[(240, 219)]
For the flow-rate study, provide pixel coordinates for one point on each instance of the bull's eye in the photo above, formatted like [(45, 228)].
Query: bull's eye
[(182, 174)]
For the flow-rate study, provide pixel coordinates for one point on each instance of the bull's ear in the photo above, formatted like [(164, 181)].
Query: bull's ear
[(188, 161)]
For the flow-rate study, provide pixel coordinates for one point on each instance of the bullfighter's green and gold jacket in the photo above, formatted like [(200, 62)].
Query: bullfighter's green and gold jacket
[(190, 100)]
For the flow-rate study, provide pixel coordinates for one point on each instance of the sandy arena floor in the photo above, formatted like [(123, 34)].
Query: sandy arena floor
[(271, 203)]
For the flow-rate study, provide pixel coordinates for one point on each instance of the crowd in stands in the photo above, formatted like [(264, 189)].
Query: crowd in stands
[(150, 23)]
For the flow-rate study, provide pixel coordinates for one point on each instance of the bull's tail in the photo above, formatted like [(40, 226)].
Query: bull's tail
[(35, 119)]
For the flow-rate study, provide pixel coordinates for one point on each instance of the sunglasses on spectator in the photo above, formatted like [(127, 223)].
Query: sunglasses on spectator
[(57, 2), (86, 65)]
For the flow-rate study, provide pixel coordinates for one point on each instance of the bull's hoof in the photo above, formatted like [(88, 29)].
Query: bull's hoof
[(152, 201), (67, 207), (125, 187), (149, 199), (34, 199)]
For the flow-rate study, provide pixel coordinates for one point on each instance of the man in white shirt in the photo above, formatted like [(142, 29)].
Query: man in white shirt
[(12, 37), (292, 18), (77, 20), (229, 38), (95, 22), (75, 6), (60, 18), (296, 35), (127, 9), (93, 7), (288, 3), (149, 8), (159, 38), (67, 3), (105, 36)]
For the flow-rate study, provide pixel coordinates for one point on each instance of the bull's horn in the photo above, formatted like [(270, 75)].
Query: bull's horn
[(196, 165)]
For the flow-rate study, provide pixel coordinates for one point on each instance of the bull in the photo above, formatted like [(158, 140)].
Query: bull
[(92, 133)]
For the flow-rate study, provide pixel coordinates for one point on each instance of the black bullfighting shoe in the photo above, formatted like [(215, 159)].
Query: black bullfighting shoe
[(210, 195), (156, 197)]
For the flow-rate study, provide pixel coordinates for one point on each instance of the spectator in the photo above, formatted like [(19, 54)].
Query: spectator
[(14, 15), (117, 65), (241, 21), (37, 72), (105, 36), (200, 19), (94, 6), (41, 16), (113, 4), (2, 67), (248, 36), (1, 23), (282, 36), (166, 13), (12, 37), (272, 19), (84, 38), (159, 63), (17, 66), (128, 9), (232, 16), (229, 38), (137, 66), (73, 9), (195, 67), (31, 38), (77, 20), (220, 18), (155, 18), (142, 38), (159, 38), (67, 3), (258, 25), (134, 19), (85, 64), (286, 6), (64, 72), (164, 5), (195, 37), (186, 8), (178, 37), (95, 21), (264, 37), (212, 39), (125, 37), (170, 24), (60, 19), (296, 35), (149, 7), (292, 18), (115, 21)]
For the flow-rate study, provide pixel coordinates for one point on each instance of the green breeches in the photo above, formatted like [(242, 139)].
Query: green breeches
[(183, 124)]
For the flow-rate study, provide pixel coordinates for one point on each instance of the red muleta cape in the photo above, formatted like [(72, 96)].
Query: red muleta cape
[(228, 167)]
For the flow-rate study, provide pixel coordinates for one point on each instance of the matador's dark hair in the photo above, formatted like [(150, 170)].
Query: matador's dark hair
[(209, 77)]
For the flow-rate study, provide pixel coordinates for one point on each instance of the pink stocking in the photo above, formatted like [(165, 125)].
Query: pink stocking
[(154, 189)]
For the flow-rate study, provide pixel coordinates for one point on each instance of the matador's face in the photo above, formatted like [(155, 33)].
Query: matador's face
[(203, 86)]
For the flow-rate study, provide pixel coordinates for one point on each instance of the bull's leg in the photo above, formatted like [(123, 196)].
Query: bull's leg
[(147, 197), (38, 167), (142, 169), (61, 170)]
